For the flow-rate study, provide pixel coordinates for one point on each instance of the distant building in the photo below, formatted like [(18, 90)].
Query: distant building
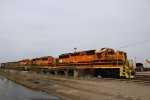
[(139, 67), (147, 69)]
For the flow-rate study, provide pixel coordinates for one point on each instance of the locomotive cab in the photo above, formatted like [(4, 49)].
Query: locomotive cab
[(122, 56), (106, 54)]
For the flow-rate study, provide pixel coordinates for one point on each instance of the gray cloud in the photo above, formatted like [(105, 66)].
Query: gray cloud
[(34, 28)]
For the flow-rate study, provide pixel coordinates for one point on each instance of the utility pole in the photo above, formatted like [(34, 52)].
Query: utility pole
[(146, 62), (135, 62), (117, 60)]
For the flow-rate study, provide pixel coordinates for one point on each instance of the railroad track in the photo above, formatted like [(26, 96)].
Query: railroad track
[(140, 79), (144, 80)]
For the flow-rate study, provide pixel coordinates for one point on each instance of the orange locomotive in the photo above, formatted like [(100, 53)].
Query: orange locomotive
[(24, 62), (105, 62), (105, 56), (43, 61)]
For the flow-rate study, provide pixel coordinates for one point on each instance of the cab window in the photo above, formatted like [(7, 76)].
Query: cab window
[(110, 52), (99, 55)]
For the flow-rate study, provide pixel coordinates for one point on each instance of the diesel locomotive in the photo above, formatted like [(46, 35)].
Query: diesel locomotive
[(105, 62)]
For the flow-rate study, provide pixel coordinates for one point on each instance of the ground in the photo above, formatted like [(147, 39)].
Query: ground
[(81, 89)]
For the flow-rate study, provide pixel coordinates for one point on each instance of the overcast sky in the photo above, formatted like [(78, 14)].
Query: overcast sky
[(35, 28)]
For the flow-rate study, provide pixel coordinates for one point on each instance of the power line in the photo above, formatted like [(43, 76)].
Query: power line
[(135, 44)]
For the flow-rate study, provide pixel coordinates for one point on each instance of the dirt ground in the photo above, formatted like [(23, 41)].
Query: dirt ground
[(81, 89)]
